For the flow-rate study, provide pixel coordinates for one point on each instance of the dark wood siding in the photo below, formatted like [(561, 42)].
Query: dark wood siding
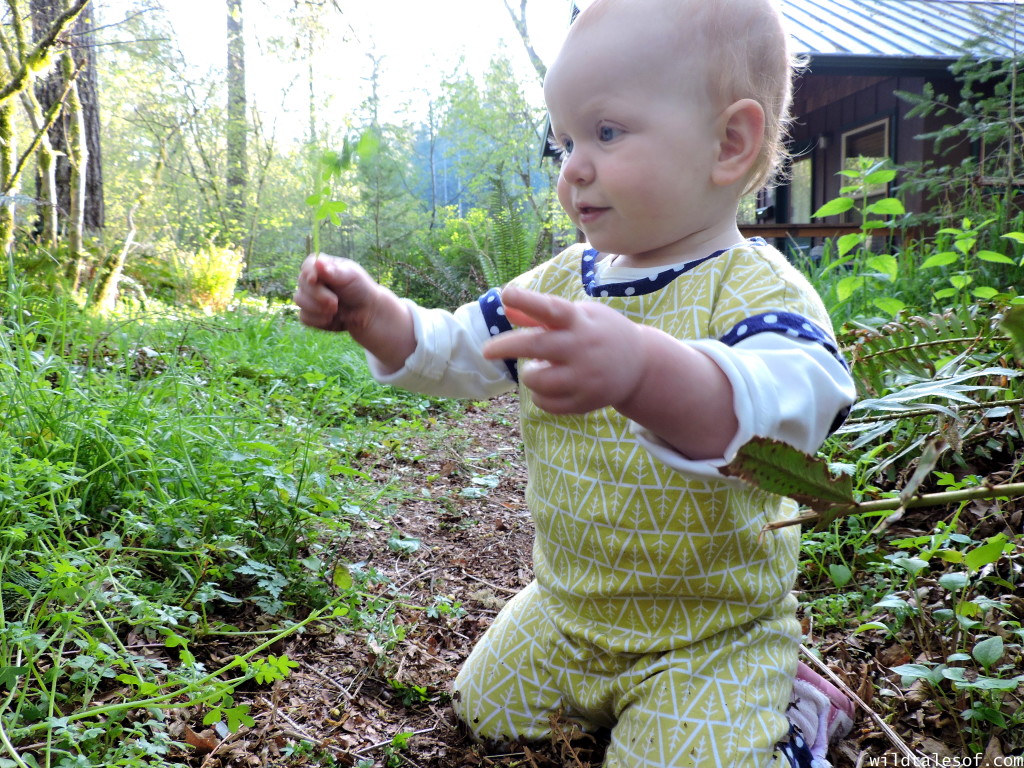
[(828, 106)]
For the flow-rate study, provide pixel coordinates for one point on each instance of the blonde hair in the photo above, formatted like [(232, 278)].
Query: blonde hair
[(744, 53), (750, 58)]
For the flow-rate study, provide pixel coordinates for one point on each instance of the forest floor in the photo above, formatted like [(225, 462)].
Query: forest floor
[(361, 697)]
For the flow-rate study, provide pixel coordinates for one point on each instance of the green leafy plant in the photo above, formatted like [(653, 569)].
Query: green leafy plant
[(329, 167), (206, 278)]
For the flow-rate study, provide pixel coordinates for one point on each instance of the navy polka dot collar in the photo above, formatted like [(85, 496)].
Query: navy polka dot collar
[(588, 272)]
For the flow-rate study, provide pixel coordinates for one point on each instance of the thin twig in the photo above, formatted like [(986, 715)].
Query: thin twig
[(1011, 490), (419, 575), (299, 730), (380, 744), (489, 584), (881, 724)]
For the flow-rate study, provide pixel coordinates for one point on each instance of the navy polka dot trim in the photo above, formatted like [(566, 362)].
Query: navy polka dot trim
[(787, 323), (646, 285), (796, 327), (795, 749), (494, 315)]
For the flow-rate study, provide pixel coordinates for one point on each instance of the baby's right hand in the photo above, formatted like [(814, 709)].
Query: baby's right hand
[(335, 294)]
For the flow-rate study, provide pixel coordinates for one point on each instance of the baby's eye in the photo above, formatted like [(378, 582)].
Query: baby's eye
[(607, 133), (561, 147)]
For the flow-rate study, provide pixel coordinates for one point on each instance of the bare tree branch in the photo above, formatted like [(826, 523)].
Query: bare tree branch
[(520, 21), (20, 79)]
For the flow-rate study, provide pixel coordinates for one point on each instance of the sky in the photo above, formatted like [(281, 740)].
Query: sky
[(421, 41)]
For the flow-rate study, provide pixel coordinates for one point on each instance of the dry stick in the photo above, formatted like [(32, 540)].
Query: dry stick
[(299, 730), (883, 505), (380, 744), (889, 732)]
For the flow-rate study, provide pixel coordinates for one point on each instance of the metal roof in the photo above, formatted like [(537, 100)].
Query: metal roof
[(908, 29)]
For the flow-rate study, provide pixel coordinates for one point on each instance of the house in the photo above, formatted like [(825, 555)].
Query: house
[(860, 53)]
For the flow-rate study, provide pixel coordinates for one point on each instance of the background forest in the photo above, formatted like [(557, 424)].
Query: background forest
[(222, 544), (193, 184)]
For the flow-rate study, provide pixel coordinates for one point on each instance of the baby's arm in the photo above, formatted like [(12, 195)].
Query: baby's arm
[(585, 356), (692, 403), (430, 351), (338, 295)]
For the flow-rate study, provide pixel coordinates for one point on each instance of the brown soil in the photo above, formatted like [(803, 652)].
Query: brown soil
[(356, 689)]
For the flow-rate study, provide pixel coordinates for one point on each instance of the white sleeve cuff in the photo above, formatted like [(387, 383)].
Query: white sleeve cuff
[(787, 389), (447, 361)]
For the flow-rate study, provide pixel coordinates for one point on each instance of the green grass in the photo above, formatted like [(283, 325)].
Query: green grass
[(157, 475), (167, 479)]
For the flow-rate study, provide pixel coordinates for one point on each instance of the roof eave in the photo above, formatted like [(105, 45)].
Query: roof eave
[(875, 64)]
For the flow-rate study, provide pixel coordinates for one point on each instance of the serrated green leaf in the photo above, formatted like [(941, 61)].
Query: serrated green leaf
[(848, 242), (995, 258), (1017, 237), (846, 287), (965, 244), (940, 260), (987, 553), (960, 281), (886, 264), (781, 469), (834, 207), (889, 305), (883, 176), (887, 206)]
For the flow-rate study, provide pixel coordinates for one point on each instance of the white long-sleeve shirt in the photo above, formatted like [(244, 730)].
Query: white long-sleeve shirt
[(786, 388)]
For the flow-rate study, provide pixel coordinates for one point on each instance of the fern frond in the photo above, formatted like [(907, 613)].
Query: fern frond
[(917, 347)]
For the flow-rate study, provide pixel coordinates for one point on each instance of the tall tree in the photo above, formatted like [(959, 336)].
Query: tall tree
[(237, 129), (79, 56), (75, 138), (22, 63)]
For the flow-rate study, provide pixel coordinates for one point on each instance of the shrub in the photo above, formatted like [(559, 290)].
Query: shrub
[(206, 279)]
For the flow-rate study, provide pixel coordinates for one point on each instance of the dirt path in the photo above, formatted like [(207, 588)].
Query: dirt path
[(459, 530)]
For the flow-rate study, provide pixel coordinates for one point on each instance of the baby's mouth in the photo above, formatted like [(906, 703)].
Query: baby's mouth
[(589, 212)]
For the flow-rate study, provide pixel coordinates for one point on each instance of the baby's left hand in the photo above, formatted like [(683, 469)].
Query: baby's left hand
[(581, 356)]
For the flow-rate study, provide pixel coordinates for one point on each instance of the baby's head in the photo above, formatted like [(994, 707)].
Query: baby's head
[(736, 49)]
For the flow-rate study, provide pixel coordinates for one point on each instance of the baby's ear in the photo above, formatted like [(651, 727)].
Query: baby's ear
[(740, 134)]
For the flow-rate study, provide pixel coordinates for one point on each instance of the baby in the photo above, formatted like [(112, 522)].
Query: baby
[(645, 358)]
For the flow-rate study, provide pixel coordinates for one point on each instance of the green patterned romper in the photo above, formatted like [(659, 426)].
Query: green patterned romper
[(659, 609)]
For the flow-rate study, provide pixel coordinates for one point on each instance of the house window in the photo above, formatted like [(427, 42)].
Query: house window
[(800, 190), (870, 142)]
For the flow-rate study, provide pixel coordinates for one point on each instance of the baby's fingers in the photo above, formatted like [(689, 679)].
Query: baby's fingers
[(526, 343), (529, 308)]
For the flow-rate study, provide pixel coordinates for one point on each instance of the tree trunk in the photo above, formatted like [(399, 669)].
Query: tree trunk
[(7, 161), (51, 90), (237, 166), (78, 164)]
